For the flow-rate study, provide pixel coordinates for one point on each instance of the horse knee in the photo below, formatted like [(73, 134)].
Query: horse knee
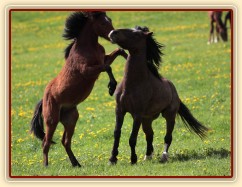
[(66, 143), (132, 142), (149, 134)]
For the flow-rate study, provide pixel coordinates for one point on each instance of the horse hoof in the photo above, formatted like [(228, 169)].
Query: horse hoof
[(164, 157), (111, 91), (133, 162), (112, 163), (112, 87), (134, 159), (77, 165), (149, 157), (123, 53)]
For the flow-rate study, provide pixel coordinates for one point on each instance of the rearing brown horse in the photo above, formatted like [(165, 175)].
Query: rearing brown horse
[(145, 94), (85, 60)]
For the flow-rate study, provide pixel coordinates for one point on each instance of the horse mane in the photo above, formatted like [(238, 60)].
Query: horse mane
[(74, 24), (68, 49), (153, 53)]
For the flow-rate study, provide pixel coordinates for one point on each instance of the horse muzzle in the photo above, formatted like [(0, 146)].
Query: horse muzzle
[(112, 36)]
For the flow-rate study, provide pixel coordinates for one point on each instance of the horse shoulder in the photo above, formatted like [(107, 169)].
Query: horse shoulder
[(93, 57), (101, 49), (101, 53)]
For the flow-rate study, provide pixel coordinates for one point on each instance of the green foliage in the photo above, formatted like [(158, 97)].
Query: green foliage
[(200, 72)]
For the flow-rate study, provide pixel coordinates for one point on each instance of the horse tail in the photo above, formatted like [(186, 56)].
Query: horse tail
[(191, 122), (37, 125)]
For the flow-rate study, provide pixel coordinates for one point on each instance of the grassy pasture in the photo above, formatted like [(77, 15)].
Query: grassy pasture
[(200, 72)]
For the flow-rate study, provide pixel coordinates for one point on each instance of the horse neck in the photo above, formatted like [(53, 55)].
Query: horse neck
[(87, 37), (136, 69), (220, 24), (85, 46)]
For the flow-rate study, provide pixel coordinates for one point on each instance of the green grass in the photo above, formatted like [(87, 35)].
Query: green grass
[(200, 72)]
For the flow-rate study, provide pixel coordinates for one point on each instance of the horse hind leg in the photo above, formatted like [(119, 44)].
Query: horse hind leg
[(170, 123), (69, 119), (51, 118), (50, 129), (211, 33), (149, 134), (216, 40)]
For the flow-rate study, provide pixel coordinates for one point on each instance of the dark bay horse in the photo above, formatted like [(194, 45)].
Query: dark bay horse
[(145, 94), (85, 60), (220, 27)]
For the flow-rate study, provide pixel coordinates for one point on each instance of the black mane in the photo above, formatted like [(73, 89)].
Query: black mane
[(74, 24), (153, 51), (68, 49)]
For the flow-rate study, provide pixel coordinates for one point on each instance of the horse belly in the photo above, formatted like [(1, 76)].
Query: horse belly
[(161, 98), (156, 106), (74, 94), (134, 102)]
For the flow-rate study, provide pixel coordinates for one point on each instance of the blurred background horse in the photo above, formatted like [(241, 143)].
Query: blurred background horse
[(220, 29)]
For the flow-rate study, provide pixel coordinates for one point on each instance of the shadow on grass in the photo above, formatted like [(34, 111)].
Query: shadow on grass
[(210, 152)]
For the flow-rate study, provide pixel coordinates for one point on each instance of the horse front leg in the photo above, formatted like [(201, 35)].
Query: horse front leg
[(109, 60), (133, 139), (112, 82), (112, 56), (93, 70), (117, 133)]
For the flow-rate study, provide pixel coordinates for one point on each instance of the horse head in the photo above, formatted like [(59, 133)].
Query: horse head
[(101, 23), (130, 39)]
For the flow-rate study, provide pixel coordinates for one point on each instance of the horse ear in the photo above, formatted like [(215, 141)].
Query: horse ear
[(148, 33)]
